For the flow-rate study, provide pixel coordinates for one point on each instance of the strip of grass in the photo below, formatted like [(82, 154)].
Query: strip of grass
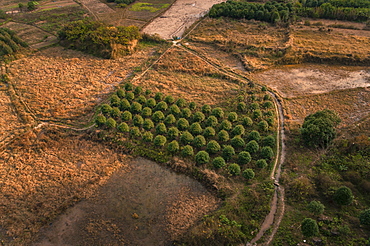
[(148, 7)]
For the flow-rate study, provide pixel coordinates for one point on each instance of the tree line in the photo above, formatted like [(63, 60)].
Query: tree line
[(10, 42)]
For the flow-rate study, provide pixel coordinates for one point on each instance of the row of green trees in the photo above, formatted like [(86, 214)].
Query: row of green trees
[(10, 42), (336, 3)]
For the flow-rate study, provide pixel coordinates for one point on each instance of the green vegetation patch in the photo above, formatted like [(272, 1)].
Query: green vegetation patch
[(148, 7)]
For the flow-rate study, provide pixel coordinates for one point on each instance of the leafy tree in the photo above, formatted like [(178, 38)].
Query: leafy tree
[(247, 122), (146, 112), (209, 132), (263, 126), (198, 117), (138, 90), (228, 152), (186, 137), (261, 163), (138, 120), (254, 106), (115, 113), (199, 141), (238, 130), (212, 121), (170, 119), (148, 92), (181, 102), (318, 129), (111, 123), (234, 169), (237, 142), (268, 104), (252, 147), (124, 104), (32, 5), (186, 113), (130, 96), (192, 105), (254, 135), (218, 113), (175, 110), (157, 116), (223, 136), (148, 137), (173, 147), (202, 157), (241, 107), (256, 114), (232, 117), (172, 133), (244, 157), (365, 217), (148, 124), (161, 106), (248, 174), (141, 99), (121, 93), (213, 147), (115, 101), (158, 96), (195, 128), (343, 196), (218, 162), (206, 109), (126, 116), (169, 99), (268, 141), (106, 108), (226, 125), (161, 129), (123, 127), (151, 103), (316, 207), (160, 140), (128, 87), (267, 152), (182, 124), (100, 120), (187, 151), (309, 227), (135, 132)]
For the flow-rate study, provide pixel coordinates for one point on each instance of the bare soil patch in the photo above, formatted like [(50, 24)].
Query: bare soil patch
[(97, 8), (9, 121)]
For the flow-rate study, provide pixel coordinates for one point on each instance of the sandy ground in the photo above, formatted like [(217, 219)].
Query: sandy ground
[(181, 15)]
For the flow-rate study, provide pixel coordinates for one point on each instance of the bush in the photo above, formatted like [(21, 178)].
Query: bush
[(126, 116), (182, 124), (148, 92), (158, 96), (309, 227), (268, 141), (316, 207), (141, 99), (199, 141), (138, 120), (100, 120), (365, 217), (121, 93), (343, 196), (213, 147), (247, 122), (186, 113), (181, 102), (106, 108), (192, 105), (195, 128), (266, 97), (270, 121), (244, 157), (161, 106), (124, 104), (234, 169), (241, 107), (130, 96), (212, 121), (218, 113), (148, 137), (198, 117), (148, 124), (160, 140), (209, 132), (206, 109), (157, 116), (161, 129), (228, 152), (254, 135), (170, 119), (223, 136), (186, 138), (146, 112), (128, 87), (264, 88), (268, 104), (187, 151), (202, 157), (138, 90), (267, 153), (263, 126), (218, 162), (123, 127), (111, 123), (254, 106), (169, 99), (115, 101), (237, 142), (238, 130), (172, 133), (257, 114), (135, 132), (252, 147), (232, 117), (173, 147), (136, 108), (175, 110), (226, 125), (151, 103), (261, 163), (248, 174)]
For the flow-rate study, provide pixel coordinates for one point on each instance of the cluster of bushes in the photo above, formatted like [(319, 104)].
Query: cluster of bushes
[(121, 3), (207, 135), (10, 42), (98, 38)]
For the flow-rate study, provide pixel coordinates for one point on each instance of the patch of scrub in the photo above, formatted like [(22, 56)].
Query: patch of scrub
[(148, 7)]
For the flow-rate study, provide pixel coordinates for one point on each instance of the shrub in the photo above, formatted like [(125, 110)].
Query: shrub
[(100, 120), (186, 137), (135, 132), (146, 112), (218, 162), (212, 121), (182, 124), (261, 163), (186, 113), (181, 102), (234, 169), (365, 217), (121, 93), (148, 137), (268, 104), (209, 132), (270, 121), (125, 104), (158, 96), (248, 174), (130, 96), (141, 99), (254, 135), (198, 117), (123, 127), (266, 97), (157, 116), (202, 157), (267, 153), (161, 106), (228, 152), (268, 141), (106, 108), (115, 113), (254, 106), (309, 227), (175, 110), (343, 196), (170, 119), (111, 123), (244, 157), (238, 130), (115, 101), (195, 128), (226, 125), (169, 99), (241, 107), (148, 92), (172, 133), (128, 87), (160, 140), (269, 113), (173, 147), (316, 207), (263, 126), (126, 116), (218, 113), (213, 147), (264, 88), (138, 120), (237, 142), (151, 103), (187, 151), (252, 147), (199, 141), (138, 90), (161, 128), (148, 124), (192, 105), (232, 117), (223, 136), (256, 114), (247, 122), (206, 109), (136, 108)]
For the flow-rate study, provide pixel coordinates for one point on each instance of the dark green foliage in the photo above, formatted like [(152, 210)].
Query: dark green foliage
[(106, 108), (160, 140), (267, 153), (234, 169), (175, 110), (123, 127), (228, 152), (170, 119), (218, 162), (186, 113), (146, 112), (244, 157), (32, 5), (226, 125), (252, 147), (128, 87), (148, 124), (169, 99), (192, 105), (124, 104), (136, 108), (241, 107), (126, 116), (157, 116), (130, 96), (202, 157), (268, 104), (173, 147), (223, 136), (237, 142), (148, 92), (238, 130), (213, 147), (268, 141), (148, 137), (161, 129), (343, 196), (261, 163), (158, 96), (198, 117), (135, 132), (254, 106), (187, 151), (256, 114), (270, 121), (121, 93), (100, 120), (151, 103), (195, 128), (181, 102), (186, 138), (218, 113), (161, 106), (115, 101), (206, 109), (254, 135), (232, 117), (365, 217), (263, 126), (263, 88), (248, 174), (5, 49), (209, 132), (266, 97), (316, 207), (309, 227), (199, 141), (182, 124), (318, 129), (138, 90), (212, 121), (141, 99), (111, 123), (173, 132), (115, 113), (247, 122)]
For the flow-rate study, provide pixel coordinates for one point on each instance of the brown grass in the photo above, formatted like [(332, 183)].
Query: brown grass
[(9, 121)]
